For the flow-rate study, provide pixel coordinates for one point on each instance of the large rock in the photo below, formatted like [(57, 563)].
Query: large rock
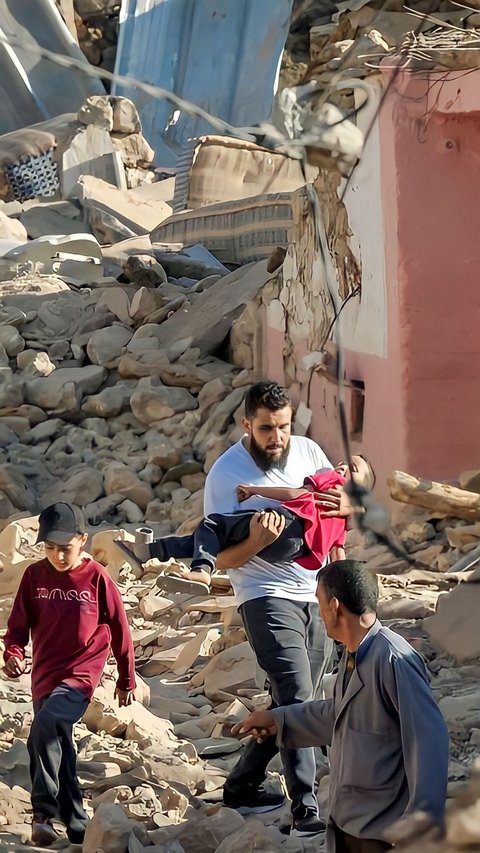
[(11, 340), (119, 478), (106, 345), (64, 388), (226, 672), (108, 831), (207, 320), (108, 402), (82, 487), (152, 401), (454, 626)]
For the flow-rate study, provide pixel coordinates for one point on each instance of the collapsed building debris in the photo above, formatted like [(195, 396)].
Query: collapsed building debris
[(134, 313)]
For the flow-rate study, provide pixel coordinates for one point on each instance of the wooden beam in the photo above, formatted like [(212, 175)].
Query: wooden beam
[(439, 497)]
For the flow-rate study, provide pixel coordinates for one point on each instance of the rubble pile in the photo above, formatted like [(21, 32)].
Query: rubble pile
[(97, 24), (152, 773), (124, 359)]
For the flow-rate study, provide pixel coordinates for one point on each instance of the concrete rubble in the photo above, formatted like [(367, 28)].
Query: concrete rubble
[(129, 331)]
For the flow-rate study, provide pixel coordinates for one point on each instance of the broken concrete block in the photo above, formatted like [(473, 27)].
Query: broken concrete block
[(90, 152), (99, 197), (97, 110), (12, 229)]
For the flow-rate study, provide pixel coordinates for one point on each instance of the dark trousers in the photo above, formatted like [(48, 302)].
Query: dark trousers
[(55, 788), (219, 531), (287, 638), (345, 843)]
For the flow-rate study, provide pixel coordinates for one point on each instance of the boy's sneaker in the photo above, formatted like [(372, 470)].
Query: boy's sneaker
[(305, 827), (43, 833), (252, 800)]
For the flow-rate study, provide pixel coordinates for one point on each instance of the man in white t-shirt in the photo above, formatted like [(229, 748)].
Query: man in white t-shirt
[(277, 602)]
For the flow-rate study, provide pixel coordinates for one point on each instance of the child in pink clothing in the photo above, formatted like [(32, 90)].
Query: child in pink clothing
[(307, 538)]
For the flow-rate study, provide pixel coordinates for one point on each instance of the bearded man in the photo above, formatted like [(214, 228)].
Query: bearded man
[(277, 602)]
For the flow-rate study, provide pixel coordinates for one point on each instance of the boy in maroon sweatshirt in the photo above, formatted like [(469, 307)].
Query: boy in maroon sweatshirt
[(74, 613)]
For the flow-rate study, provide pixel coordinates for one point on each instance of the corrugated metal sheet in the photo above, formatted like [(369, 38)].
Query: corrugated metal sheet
[(32, 88), (221, 54)]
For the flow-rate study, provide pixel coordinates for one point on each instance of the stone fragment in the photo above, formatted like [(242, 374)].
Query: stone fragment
[(253, 837), (153, 605), (35, 363), (133, 149), (125, 115), (152, 401), (97, 110), (11, 340), (105, 345), (10, 394)]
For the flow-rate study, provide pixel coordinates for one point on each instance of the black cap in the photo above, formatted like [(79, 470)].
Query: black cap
[(59, 522)]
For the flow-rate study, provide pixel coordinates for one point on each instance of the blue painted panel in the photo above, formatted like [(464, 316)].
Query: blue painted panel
[(221, 54)]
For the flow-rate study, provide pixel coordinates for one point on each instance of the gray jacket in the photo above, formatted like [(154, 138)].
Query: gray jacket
[(389, 741)]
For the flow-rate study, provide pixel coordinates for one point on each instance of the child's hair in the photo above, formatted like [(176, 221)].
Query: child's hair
[(371, 478)]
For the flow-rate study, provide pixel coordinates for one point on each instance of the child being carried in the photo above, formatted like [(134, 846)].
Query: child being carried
[(307, 538)]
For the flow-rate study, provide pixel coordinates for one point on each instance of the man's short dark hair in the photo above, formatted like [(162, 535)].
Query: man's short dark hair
[(352, 583), (266, 395)]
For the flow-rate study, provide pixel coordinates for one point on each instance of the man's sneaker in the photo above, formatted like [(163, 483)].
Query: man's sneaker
[(43, 833), (252, 800), (76, 836), (305, 827)]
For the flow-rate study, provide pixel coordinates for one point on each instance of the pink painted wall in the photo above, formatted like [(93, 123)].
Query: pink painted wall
[(422, 400), (435, 126)]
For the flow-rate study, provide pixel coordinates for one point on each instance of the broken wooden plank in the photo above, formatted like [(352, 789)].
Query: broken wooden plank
[(441, 498)]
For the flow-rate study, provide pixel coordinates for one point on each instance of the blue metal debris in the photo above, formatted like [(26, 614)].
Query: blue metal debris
[(34, 89), (220, 54)]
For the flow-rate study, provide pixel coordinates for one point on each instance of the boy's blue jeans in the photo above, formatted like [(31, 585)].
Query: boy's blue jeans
[(55, 788)]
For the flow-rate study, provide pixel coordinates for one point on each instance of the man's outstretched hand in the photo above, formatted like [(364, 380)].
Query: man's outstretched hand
[(260, 725)]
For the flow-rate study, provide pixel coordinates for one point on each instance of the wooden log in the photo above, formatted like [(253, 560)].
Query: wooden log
[(439, 497)]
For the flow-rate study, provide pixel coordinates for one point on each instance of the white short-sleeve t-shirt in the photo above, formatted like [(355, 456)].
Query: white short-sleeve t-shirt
[(258, 578)]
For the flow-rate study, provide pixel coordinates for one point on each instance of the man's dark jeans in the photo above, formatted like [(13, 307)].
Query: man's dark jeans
[(55, 788), (220, 530), (287, 638)]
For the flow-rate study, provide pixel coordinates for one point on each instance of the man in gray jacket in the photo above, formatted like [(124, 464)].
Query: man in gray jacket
[(389, 742)]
